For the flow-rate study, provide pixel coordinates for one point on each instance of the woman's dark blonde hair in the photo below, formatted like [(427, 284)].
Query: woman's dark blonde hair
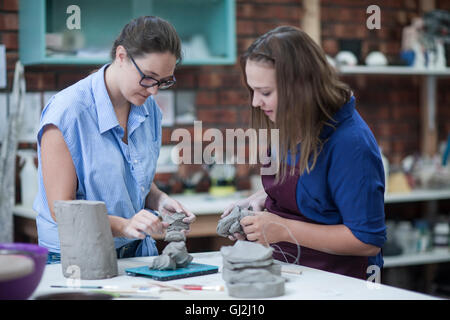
[(309, 94)]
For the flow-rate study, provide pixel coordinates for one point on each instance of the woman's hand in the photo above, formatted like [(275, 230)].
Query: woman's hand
[(256, 201), (168, 205), (264, 227), (142, 223)]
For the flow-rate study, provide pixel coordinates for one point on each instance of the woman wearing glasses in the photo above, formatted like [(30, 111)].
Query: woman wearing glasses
[(99, 139)]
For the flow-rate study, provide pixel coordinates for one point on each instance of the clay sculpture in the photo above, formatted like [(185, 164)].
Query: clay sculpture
[(175, 254), (162, 262), (86, 239), (178, 252), (175, 221), (231, 224), (250, 272)]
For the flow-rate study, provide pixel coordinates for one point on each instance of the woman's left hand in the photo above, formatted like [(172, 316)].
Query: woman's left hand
[(167, 205), (264, 227)]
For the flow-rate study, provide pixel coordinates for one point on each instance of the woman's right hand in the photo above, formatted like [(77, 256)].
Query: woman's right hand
[(142, 223)]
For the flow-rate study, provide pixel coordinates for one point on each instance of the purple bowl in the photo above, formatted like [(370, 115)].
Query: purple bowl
[(23, 288)]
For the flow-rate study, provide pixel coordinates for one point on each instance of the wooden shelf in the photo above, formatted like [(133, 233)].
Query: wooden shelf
[(392, 70), (434, 256), (417, 195), (24, 212)]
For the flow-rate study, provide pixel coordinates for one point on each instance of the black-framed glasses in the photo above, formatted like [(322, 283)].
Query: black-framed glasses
[(148, 82)]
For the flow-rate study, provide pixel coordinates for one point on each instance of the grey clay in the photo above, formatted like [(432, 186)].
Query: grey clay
[(86, 240), (175, 254), (230, 224), (250, 272)]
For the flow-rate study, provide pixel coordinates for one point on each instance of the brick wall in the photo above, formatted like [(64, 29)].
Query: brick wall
[(389, 104), (9, 26)]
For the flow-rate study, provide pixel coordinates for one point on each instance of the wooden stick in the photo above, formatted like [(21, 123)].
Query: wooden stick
[(311, 19), (291, 270)]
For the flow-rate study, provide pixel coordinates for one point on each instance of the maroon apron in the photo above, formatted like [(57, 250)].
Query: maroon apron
[(282, 201)]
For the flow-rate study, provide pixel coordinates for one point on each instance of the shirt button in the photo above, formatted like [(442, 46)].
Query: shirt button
[(136, 161), (142, 189)]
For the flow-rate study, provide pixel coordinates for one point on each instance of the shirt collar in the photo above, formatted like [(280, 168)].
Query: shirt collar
[(107, 118), (140, 112), (345, 112)]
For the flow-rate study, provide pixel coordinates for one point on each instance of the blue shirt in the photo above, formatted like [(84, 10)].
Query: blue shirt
[(347, 183), (107, 169)]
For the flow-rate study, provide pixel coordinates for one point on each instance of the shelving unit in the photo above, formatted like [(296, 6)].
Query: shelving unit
[(423, 258), (428, 95), (211, 21), (403, 260), (393, 70), (417, 195), (428, 146)]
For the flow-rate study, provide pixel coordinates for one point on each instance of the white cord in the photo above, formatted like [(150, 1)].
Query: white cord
[(281, 251)]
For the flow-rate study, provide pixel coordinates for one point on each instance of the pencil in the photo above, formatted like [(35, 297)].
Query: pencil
[(84, 287)]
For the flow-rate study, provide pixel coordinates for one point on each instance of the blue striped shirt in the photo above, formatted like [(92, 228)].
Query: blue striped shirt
[(107, 169)]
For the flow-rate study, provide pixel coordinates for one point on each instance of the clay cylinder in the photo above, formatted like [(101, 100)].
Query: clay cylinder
[(86, 240)]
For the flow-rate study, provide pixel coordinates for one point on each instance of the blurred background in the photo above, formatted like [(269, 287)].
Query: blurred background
[(394, 56)]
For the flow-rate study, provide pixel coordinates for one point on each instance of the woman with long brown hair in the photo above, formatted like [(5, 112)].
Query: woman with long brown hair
[(324, 208)]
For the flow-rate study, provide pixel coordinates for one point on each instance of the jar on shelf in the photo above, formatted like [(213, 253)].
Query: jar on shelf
[(441, 234), (424, 240), (406, 237)]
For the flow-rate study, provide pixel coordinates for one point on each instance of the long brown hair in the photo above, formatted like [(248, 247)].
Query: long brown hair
[(309, 94)]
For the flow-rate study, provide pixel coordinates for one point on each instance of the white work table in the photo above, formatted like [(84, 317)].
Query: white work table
[(311, 284)]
